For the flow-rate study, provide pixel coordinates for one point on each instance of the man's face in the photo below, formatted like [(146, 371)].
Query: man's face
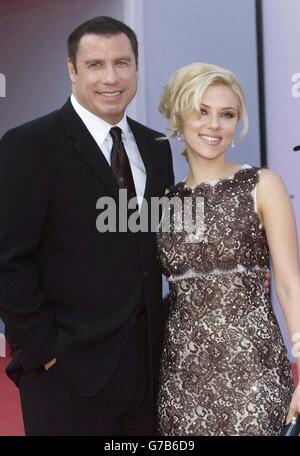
[(105, 79)]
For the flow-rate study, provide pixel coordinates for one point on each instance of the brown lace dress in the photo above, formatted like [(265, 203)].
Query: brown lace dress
[(224, 368)]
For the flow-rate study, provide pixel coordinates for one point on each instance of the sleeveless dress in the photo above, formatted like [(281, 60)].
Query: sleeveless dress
[(225, 369)]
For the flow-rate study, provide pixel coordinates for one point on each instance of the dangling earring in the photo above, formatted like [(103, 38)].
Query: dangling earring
[(233, 142), (179, 136)]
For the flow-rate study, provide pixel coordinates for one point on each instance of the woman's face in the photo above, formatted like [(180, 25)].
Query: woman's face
[(210, 134)]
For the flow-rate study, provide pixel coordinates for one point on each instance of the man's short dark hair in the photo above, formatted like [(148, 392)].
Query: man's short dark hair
[(101, 25)]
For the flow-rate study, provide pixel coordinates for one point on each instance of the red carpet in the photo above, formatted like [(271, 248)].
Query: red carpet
[(11, 423), (295, 373)]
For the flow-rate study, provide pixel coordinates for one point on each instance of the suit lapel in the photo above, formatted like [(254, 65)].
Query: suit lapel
[(87, 148)]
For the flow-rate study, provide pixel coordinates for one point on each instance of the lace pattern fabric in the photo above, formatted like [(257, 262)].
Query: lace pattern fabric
[(225, 369)]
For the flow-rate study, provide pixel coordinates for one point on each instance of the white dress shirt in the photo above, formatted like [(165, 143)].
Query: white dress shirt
[(99, 129)]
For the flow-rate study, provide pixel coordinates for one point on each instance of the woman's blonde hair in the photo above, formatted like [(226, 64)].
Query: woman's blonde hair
[(182, 95)]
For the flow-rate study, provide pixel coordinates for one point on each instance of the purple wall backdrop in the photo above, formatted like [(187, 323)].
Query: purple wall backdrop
[(282, 86)]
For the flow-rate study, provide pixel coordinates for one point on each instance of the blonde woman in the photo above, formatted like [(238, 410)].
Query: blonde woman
[(225, 369)]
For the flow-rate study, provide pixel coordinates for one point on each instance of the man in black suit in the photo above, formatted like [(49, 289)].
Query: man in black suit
[(83, 308)]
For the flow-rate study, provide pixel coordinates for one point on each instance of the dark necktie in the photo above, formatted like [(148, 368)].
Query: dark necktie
[(120, 163)]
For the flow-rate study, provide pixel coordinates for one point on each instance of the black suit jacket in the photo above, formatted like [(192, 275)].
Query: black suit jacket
[(66, 290)]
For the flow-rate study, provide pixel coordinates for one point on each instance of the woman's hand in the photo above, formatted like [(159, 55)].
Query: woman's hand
[(294, 409), (50, 364), (267, 281)]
